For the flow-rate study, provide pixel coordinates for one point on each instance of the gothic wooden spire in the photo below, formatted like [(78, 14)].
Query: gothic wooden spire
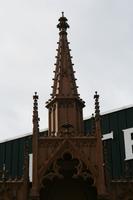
[(64, 80), (65, 105)]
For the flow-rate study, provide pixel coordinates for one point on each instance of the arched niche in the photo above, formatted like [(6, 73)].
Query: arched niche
[(68, 179)]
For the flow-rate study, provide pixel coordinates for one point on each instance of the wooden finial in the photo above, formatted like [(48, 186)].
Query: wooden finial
[(35, 107), (97, 110), (35, 96), (63, 25)]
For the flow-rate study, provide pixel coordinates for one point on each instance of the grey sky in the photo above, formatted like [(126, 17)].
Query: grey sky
[(100, 37)]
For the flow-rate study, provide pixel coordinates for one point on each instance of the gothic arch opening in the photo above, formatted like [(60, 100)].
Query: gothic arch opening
[(68, 179)]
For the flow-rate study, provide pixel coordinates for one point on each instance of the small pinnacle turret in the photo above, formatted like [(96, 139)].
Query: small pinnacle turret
[(35, 143), (99, 147)]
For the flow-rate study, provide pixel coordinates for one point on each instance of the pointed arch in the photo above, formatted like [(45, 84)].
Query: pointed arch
[(67, 147)]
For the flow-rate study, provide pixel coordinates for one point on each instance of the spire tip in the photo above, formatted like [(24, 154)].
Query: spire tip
[(62, 14), (63, 25), (35, 96)]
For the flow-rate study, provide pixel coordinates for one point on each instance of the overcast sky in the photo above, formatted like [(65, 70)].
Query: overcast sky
[(101, 39)]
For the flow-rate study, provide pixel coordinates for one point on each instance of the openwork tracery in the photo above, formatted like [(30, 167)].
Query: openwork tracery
[(68, 167)]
